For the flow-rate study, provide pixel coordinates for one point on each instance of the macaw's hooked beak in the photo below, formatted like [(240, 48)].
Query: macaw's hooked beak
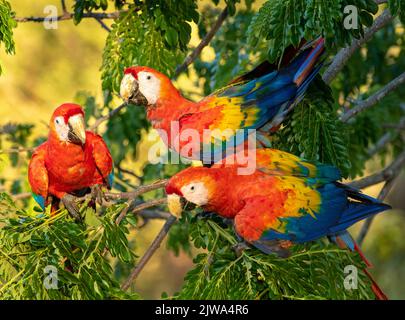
[(77, 132), (175, 204), (178, 204), (129, 91)]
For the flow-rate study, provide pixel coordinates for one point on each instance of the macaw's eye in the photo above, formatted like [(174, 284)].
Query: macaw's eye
[(57, 121), (148, 77), (192, 188)]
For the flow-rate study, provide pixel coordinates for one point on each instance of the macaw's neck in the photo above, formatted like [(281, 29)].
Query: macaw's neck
[(71, 151), (226, 200), (168, 108)]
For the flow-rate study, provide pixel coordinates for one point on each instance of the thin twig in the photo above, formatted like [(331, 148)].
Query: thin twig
[(108, 116), (139, 208), (64, 9), (69, 16), (103, 25), (344, 54), (154, 214), (384, 175), (367, 223), (380, 144), (149, 253), (131, 173), (16, 150), (373, 99), (20, 196), (204, 42), (139, 191)]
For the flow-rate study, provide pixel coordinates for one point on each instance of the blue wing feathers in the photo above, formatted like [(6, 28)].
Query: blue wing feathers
[(338, 212), (40, 200)]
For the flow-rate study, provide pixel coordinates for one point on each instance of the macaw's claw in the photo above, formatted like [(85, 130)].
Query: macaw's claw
[(97, 194), (69, 202), (240, 247)]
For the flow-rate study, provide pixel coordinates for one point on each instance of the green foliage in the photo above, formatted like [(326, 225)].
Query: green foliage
[(314, 132), (170, 18), (7, 24), (125, 130), (17, 135), (313, 271), (373, 67), (155, 36), (397, 7), (81, 6), (232, 57), (30, 243), (368, 127), (285, 22)]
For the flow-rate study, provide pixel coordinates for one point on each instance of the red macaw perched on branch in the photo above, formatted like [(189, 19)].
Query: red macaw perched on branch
[(286, 200), (258, 100), (70, 162)]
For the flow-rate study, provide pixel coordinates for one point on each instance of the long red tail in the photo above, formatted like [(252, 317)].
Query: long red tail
[(380, 295), (345, 240)]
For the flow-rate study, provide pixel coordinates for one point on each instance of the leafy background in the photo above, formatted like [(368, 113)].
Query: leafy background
[(84, 64)]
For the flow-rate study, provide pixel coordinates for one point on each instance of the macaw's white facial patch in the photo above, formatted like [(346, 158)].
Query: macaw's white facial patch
[(195, 192), (62, 128), (149, 86)]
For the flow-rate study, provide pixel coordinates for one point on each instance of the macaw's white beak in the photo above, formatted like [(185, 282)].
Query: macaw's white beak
[(77, 131), (129, 91), (174, 202), (129, 87)]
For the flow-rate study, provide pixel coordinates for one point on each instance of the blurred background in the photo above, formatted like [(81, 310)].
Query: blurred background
[(51, 67)]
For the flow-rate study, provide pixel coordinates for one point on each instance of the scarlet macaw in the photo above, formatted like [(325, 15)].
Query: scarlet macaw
[(286, 200), (258, 100), (70, 162)]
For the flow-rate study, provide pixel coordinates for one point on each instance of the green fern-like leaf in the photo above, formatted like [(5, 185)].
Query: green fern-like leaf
[(286, 22), (313, 271), (7, 23)]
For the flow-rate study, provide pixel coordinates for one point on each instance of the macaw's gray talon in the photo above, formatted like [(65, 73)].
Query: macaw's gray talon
[(69, 202), (240, 247), (97, 194)]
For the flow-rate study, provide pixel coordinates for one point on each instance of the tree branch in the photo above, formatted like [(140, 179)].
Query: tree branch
[(204, 42), (16, 150), (386, 174), (68, 16), (373, 99), (20, 196), (108, 116), (121, 169), (149, 253), (344, 54), (366, 225), (103, 25), (139, 191), (135, 210), (63, 4), (154, 214)]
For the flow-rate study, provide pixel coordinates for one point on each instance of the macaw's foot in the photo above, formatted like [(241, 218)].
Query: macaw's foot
[(240, 247), (97, 194), (285, 244), (70, 204)]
